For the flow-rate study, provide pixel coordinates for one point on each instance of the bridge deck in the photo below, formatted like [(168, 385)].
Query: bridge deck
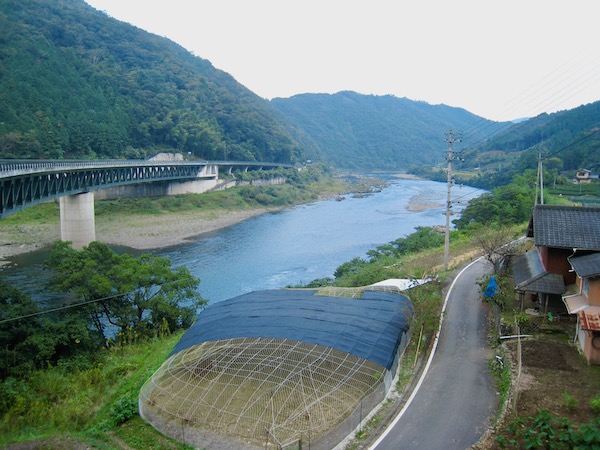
[(24, 183)]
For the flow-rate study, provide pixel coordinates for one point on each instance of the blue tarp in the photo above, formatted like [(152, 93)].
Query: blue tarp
[(370, 327), (491, 288)]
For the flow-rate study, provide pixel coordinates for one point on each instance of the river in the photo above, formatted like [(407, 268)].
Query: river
[(289, 247)]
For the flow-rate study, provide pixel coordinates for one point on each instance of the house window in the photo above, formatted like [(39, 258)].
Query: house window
[(586, 286)]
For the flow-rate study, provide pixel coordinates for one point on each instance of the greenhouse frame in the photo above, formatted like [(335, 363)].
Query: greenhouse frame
[(288, 368)]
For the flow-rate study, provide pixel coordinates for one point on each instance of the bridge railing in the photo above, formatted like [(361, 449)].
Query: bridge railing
[(14, 167)]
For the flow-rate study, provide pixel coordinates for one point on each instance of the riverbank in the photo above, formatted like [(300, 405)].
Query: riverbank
[(146, 231), (141, 232)]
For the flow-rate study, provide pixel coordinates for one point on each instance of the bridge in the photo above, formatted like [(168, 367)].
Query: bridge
[(24, 183)]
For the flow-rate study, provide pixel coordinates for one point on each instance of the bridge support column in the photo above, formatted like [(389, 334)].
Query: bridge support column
[(77, 219)]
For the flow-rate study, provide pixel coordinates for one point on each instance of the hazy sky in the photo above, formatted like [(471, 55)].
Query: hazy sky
[(500, 59)]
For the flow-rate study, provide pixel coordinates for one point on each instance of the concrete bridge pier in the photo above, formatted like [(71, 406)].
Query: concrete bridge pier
[(77, 219)]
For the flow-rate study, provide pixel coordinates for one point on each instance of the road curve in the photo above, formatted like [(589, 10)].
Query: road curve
[(455, 399)]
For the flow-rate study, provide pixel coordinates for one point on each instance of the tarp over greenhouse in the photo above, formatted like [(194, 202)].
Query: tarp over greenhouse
[(272, 368), (369, 327)]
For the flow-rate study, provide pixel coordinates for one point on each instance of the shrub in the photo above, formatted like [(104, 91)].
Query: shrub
[(595, 404), (124, 410)]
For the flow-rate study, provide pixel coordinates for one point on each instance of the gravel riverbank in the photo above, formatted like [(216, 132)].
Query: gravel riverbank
[(144, 232)]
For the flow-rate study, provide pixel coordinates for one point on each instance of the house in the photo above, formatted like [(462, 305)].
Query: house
[(561, 231), (585, 303), (584, 176), (562, 274)]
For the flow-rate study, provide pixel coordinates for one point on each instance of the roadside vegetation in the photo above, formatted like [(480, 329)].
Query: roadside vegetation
[(85, 393)]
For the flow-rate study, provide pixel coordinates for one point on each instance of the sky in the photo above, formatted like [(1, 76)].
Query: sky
[(499, 59)]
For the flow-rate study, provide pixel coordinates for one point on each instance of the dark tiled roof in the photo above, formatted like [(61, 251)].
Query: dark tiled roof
[(565, 227), (587, 265), (529, 275)]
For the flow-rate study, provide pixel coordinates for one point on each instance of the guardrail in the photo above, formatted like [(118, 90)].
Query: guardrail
[(12, 167)]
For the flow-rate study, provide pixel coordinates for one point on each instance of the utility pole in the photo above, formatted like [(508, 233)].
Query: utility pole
[(450, 140), (539, 185)]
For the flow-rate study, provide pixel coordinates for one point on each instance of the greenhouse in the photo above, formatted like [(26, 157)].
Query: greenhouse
[(279, 369)]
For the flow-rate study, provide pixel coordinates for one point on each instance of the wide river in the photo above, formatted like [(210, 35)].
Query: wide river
[(293, 246)]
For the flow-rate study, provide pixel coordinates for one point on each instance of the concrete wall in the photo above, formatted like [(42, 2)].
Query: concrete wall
[(77, 219), (158, 189)]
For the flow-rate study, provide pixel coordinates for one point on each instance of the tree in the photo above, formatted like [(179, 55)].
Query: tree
[(495, 244), (423, 238), (126, 292), (30, 340), (505, 205)]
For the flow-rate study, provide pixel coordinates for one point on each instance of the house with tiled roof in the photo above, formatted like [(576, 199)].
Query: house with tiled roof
[(565, 265), (585, 303), (585, 176), (560, 231)]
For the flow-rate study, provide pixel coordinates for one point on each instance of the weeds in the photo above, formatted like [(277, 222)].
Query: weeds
[(570, 401), (88, 400), (545, 431), (502, 376)]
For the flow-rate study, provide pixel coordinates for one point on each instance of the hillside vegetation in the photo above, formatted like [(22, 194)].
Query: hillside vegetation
[(76, 83), (355, 131), (567, 141)]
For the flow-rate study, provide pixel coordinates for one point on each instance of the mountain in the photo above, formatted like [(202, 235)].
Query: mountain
[(567, 140), (356, 131), (76, 83)]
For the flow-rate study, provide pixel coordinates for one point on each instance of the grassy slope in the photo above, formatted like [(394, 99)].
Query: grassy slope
[(85, 405)]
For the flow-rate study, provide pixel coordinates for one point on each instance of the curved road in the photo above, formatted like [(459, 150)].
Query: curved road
[(455, 400)]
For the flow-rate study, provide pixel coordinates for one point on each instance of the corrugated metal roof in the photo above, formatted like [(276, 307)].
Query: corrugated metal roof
[(575, 303), (587, 265), (369, 327), (529, 275), (565, 227)]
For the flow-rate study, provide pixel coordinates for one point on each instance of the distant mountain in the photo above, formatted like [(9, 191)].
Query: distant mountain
[(77, 83), (355, 131), (567, 140)]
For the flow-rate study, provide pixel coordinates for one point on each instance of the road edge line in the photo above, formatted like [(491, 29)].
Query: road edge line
[(426, 369)]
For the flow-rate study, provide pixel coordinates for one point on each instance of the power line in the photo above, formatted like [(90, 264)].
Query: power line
[(76, 305), (61, 308), (552, 90), (571, 144)]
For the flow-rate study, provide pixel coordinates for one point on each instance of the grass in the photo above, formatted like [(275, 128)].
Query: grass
[(94, 405)]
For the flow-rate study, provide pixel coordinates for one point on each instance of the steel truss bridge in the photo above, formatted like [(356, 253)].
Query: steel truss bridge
[(24, 183)]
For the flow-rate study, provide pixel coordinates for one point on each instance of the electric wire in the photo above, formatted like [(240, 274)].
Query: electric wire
[(75, 305), (554, 89), (60, 308)]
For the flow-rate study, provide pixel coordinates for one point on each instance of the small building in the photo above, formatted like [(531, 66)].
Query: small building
[(564, 266), (559, 231), (585, 176), (585, 303)]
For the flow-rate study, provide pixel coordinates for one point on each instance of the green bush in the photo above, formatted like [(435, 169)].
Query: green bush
[(124, 410), (595, 404), (545, 431)]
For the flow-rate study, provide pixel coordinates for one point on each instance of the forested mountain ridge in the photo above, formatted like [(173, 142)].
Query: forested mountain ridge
[(357, 131), (567, 141), (77, 83)]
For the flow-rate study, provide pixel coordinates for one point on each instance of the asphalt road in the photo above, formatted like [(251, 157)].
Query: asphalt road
[(456, 400)]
